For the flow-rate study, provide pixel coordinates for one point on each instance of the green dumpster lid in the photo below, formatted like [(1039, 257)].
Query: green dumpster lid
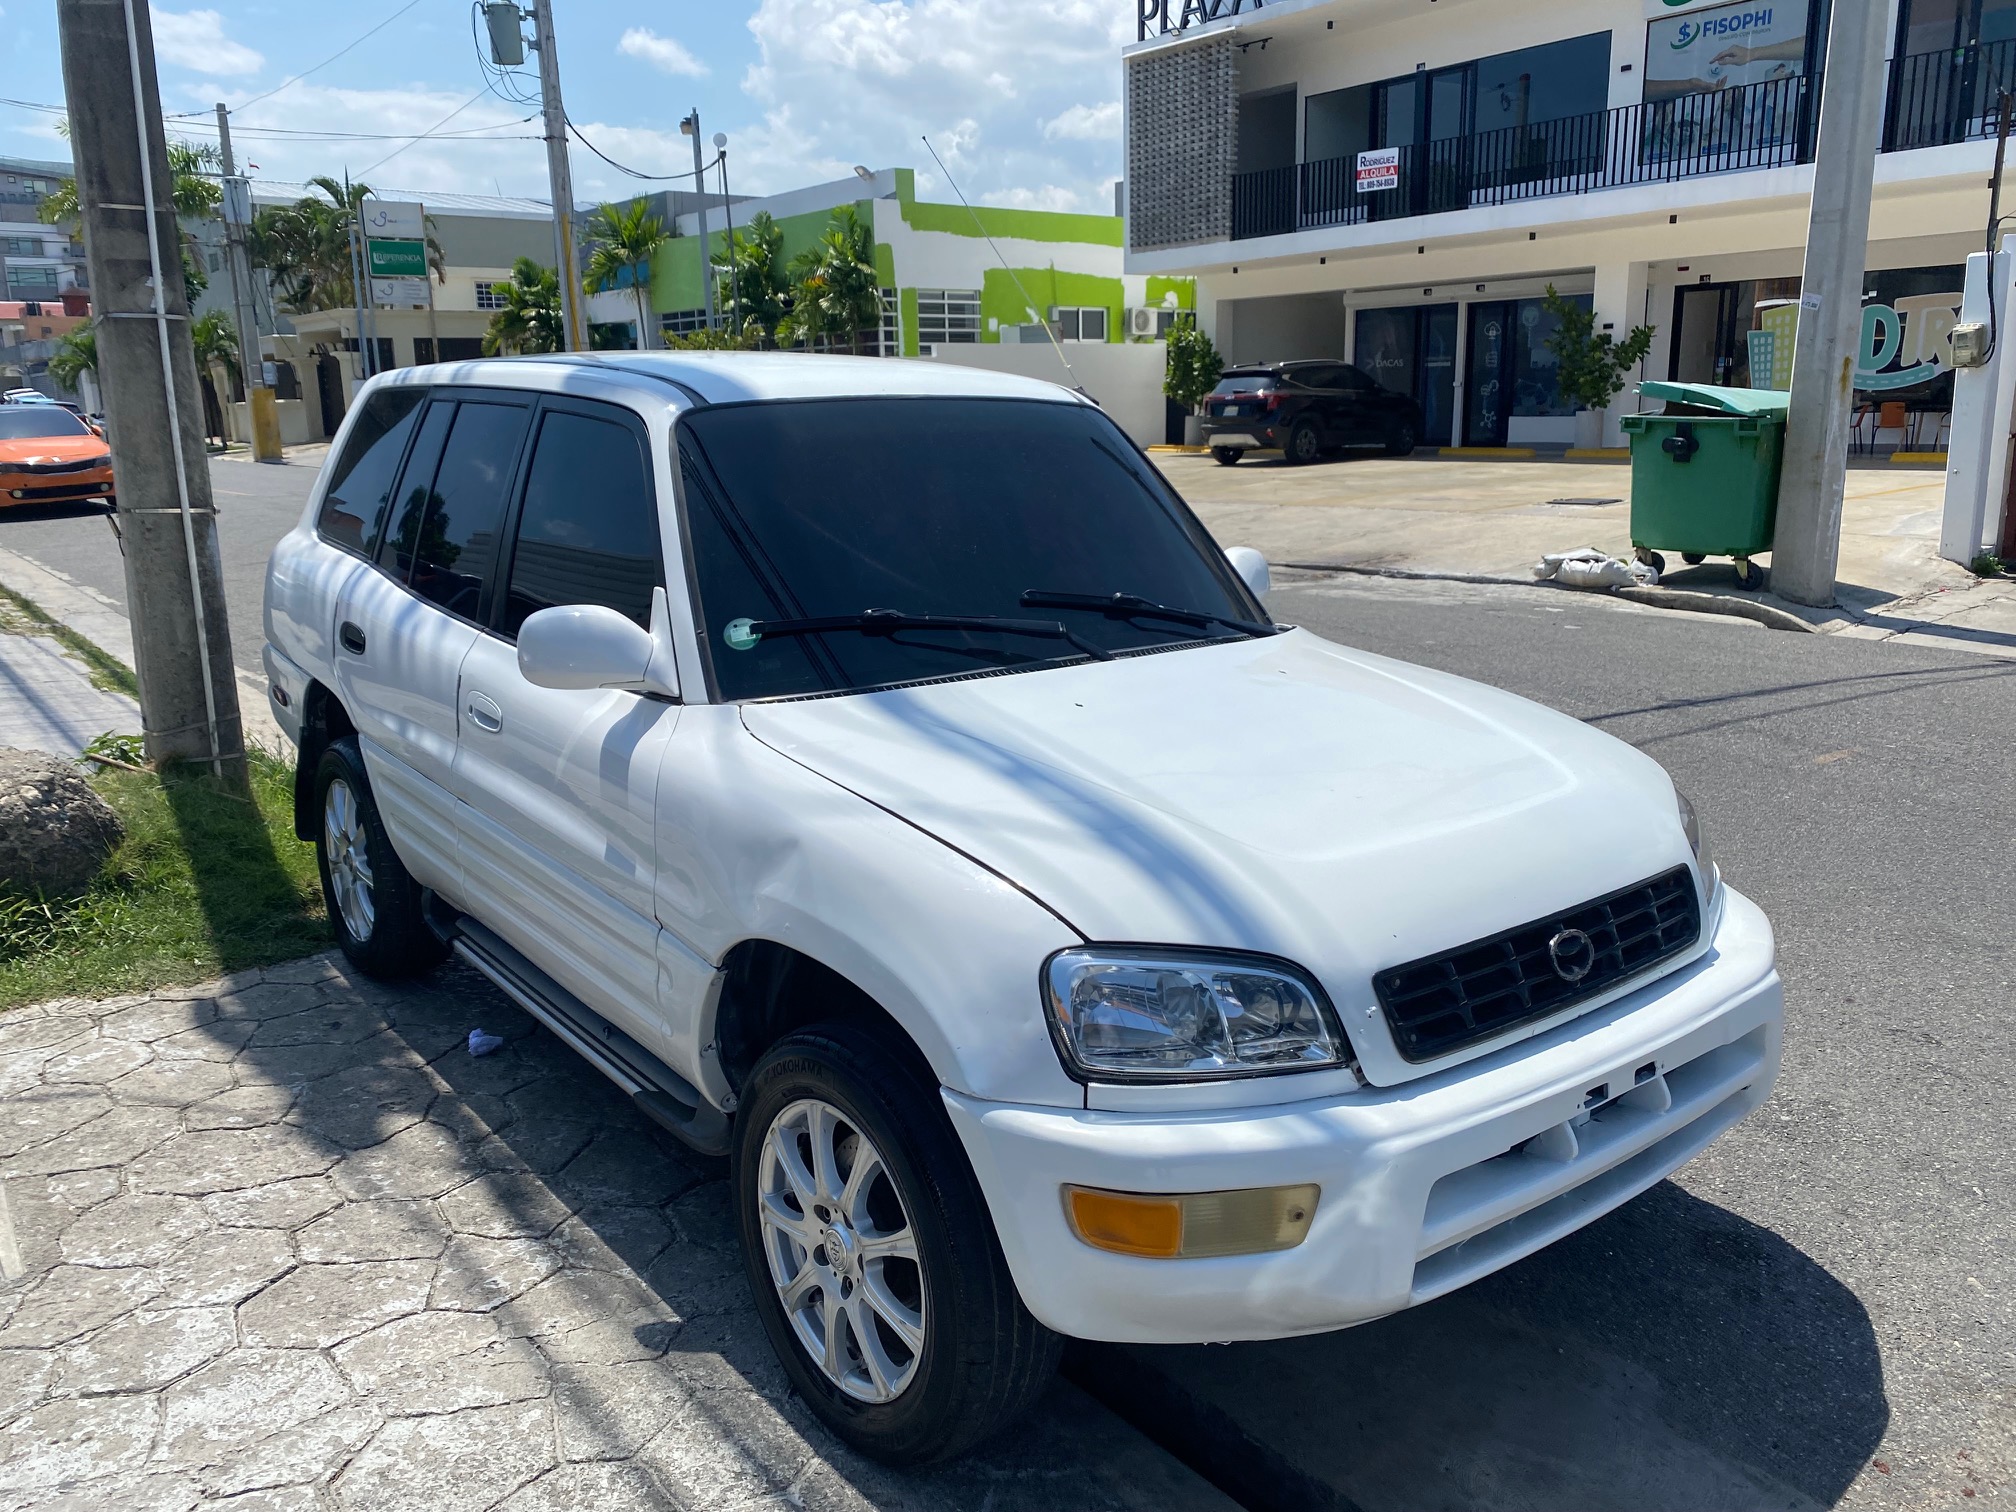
[(1763, 403)]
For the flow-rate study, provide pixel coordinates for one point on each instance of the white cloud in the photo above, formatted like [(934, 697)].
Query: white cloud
[(1085, 123), (662, 53), (860, 81), (195, 40)]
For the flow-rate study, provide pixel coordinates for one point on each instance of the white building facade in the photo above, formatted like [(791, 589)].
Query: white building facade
[(1398, 182)]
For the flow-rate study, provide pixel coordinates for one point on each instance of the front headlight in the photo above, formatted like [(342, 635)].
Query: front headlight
[(1704, 858), (1122, 1015)]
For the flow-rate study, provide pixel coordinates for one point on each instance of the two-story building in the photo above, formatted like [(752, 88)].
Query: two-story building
[(1398, 182)]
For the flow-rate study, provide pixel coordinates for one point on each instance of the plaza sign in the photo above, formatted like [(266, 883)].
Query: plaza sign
[(398, 259), (1155, 18)]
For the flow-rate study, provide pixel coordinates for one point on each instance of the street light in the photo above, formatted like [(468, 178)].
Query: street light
[(863, 173), (728, 209), (690, 126)]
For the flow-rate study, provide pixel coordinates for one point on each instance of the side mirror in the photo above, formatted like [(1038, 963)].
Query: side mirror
[(584, 646), (1252, 569)]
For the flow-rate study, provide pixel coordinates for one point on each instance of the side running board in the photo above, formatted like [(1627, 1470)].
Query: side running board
[(660, 1093)]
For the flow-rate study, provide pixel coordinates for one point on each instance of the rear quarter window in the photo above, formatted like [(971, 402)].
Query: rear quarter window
[(361, 478)]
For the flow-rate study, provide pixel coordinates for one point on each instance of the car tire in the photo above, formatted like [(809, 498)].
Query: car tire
[(1227, 456), (372, 901), (1303, 446), (1402, 439), (967, 1358)]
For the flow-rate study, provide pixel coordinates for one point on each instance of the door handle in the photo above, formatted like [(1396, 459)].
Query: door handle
[(351, 638), (484, 713)]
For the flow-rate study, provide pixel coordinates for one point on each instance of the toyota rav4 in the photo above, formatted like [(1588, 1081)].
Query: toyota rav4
[(880, 775)]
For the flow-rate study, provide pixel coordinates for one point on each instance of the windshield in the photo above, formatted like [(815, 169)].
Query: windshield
[(929, 506), (1246, 383), (22, 422)]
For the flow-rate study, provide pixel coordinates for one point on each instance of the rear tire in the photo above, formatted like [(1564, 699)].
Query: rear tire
[(1227, 456), (373, 902), (951, 1356), (1304, 445)]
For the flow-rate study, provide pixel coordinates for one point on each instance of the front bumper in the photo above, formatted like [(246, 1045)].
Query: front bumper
[(1426, 1186), (54, 488)]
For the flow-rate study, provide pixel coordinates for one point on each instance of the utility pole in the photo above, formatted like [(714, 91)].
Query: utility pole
[(251, 360), (691, 127), (147, 369), (574, 335), (1808, 544)]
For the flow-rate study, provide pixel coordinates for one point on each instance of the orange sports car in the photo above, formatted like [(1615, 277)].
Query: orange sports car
[(50, 456)]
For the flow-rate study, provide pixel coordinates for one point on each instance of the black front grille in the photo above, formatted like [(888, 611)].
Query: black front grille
[(1446, 1002)]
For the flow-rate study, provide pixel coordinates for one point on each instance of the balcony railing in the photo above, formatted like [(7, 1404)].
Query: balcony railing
[(1766, 125), (1944, 97)]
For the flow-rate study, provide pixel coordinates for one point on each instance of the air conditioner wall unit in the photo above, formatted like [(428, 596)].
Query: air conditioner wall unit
[(1141, 322)]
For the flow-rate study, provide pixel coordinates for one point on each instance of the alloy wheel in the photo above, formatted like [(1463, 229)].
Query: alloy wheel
[(841, 1250), (349, 859)]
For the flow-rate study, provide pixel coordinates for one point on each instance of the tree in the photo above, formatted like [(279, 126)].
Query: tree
[(76, 354), (836, 291), (530, 318), (622, 244), (1591, 366), (307, 246), (1194, 366), (754, 281), (216, 344), (195, 192)]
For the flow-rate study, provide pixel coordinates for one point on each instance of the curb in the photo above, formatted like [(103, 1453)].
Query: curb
[(1652, 598), (102, 622)]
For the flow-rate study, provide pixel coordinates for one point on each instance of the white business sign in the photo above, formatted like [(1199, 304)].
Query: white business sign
[(1379, 169), (399, 291), (400, 220)]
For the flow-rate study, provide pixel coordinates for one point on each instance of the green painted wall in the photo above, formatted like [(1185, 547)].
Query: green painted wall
[(675, 273), (1027, 225), (907, 299), (1185, 290), (1001, 300)]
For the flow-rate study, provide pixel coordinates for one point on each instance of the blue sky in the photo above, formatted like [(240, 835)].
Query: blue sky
[(1020, 99)]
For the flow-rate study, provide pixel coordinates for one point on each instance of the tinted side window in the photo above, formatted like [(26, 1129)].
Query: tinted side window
[(456, 550), (1352, 378), (588, 533), (360, 483), (416, 490)]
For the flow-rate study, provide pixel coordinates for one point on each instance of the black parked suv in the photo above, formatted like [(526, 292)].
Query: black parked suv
[(1306, 409)]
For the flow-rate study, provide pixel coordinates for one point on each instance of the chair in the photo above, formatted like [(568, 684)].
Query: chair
[(1860, 436), (1891, 415)]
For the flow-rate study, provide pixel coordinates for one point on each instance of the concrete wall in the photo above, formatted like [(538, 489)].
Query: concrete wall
[(1126, 380), (300, 421), (1283, 329)]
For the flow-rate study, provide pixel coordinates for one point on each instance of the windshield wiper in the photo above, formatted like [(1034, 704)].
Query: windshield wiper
[(1132, 605), (743, 634)]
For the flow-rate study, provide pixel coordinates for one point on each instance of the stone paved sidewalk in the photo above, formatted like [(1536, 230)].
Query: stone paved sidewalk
[(281, 1243)]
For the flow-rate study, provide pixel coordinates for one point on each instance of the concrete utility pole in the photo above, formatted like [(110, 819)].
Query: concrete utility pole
[(573, 331), (1808, 544), (147, 368), (691, 126), (251, 360)]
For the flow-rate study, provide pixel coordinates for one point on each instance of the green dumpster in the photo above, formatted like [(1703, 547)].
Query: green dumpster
[(1704, 475)]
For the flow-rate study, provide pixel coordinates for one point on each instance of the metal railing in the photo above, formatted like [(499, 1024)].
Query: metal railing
[(1765, 125), (1939, 98)]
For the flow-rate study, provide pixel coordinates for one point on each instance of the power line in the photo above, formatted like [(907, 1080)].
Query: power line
[(655, 178), (470, 134), (333, 56), (428, 132)]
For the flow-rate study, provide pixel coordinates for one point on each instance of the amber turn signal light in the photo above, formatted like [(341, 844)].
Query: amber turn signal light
[(1192, 1225)]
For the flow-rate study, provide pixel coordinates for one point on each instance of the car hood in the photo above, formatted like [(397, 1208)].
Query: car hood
[(31, 451), (1283, 795)]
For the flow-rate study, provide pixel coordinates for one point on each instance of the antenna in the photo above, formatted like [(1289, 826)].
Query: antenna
[(1027, 304)]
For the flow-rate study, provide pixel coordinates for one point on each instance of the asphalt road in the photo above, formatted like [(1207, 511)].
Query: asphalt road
[(256, 505), (1816, 1312)]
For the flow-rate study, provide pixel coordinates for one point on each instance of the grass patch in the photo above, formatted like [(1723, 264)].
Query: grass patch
[(23, 616), (204, 883)]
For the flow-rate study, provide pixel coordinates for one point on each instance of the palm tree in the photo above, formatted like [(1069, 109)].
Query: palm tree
[(755, 283), (530, 319), (216, 344), (307, 246), (837, 290), (622, 246), (195, 192), (76, 354)]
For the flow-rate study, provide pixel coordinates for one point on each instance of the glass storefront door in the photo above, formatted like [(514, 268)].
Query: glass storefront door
[(1487, 386), (1412, 351)]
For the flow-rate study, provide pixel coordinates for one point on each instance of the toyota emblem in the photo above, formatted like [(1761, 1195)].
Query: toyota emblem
[(1573, 954)]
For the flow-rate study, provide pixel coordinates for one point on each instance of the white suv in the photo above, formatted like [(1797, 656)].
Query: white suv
[(877, 771)]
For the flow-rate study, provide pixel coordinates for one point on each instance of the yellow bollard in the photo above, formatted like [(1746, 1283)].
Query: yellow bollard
[(265, 426)]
